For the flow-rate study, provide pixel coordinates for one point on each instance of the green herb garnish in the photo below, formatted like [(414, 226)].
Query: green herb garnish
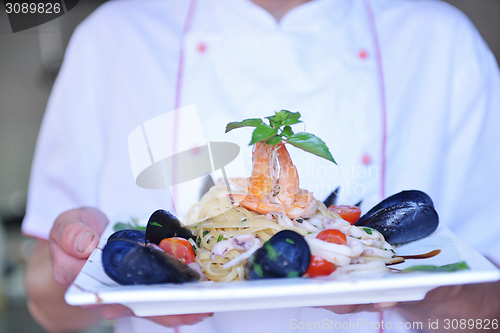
[(271, 252), (258, 270), (132, 224), (368, 231), (279, 130), (458, 266), (221, 238), (205, 232)]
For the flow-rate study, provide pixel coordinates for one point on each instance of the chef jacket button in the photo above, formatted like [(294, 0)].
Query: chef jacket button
[(367, 159), (363, 54), (202, 47), (195, 150)]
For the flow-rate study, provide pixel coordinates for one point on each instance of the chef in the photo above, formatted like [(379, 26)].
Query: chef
[(404, 93)]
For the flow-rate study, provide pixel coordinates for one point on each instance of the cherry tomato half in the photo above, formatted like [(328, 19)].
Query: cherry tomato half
[(179, 248), (349, 213), (333, 236), (320, 267)]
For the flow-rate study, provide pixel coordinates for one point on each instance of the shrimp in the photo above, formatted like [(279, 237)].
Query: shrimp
[(264, 169), (262, 183), (288, 178), (268, 193), (303, 206), (254, 204)]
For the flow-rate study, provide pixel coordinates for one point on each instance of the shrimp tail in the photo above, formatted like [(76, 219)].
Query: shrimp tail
[(288, 177), (254, 204)]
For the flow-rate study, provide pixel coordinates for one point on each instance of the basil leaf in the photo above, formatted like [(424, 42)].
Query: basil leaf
[(274, 140), (262, 133), (284, 117), (287, 131), (368, 231), (312, 144), (127, 226), (122, 226), (291, 118), (458, 266), (252, 122)]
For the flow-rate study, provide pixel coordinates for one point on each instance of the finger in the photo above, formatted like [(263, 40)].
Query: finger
[(178, 320), (77, 231), (94, 218), (110, 311), (65, 267), (355, 308), (342, 309), (386, 306)]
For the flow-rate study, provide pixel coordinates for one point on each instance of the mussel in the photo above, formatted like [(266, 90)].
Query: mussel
[(163, 224), (332, 198), (127, 263), (286, 254), (403, 217), (133, 257)]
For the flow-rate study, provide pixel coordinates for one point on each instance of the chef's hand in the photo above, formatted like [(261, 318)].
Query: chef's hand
[(353, 308), (73, 237), (436, 296)]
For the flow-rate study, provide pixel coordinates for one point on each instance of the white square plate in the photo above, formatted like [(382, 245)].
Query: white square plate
[(93, 286)]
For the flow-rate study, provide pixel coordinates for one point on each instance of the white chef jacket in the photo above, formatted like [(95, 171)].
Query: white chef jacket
[(422, 116)]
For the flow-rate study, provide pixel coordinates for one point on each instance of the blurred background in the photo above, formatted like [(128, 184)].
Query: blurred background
[(29, 63)]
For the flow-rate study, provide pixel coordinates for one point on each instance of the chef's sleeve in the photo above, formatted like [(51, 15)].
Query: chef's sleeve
[(69, 151), (471, 173)]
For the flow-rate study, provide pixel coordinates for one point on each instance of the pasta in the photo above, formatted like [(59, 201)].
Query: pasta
[(228, 233)]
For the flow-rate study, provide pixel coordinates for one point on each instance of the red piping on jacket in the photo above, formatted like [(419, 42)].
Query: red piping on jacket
[(383, 105), (178, 89), (178, 94)]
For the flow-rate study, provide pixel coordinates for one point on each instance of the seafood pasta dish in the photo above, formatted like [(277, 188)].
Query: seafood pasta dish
[(266, 226), (274, 202)]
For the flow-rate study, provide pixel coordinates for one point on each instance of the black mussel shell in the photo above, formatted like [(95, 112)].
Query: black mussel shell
[(127, 263), (404, 222), (133, 235), (286, 254), (398, 198), (332, 198), (163, 225)]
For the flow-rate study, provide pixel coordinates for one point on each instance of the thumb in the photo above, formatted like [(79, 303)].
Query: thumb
[(73, 233)]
